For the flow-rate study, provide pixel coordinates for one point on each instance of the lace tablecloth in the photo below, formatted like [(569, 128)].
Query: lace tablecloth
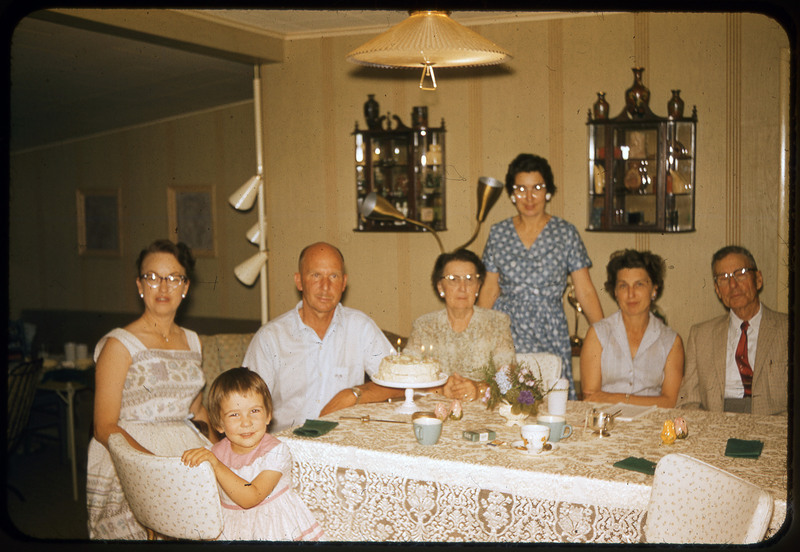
[(373, 482)]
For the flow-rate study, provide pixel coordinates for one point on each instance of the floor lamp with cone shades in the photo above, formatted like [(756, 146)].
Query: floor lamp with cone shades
[(242, 200), (377, 207)]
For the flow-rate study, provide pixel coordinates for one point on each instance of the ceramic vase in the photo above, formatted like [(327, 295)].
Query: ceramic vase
[(675, 105), (637, 97), (600, 107), (504, 409), (372, 112)]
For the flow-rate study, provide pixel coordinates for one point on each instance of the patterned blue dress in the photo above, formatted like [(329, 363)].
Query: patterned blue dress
[(532, 283)]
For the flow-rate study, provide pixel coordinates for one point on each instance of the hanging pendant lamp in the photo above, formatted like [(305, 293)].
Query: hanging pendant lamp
[(428, 39)]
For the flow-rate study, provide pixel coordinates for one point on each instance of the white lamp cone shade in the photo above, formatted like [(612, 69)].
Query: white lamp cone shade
[(244, 198), (254, 234), (428, 37), (248, 271)]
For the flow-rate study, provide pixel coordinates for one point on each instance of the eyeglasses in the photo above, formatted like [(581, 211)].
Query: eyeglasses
[(154, 280), (454, 279), (739, 275), (536, 190)]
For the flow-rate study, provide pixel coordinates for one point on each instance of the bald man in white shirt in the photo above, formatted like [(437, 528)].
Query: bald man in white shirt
[(314, 357)]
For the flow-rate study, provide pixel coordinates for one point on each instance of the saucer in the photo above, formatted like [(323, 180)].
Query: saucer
[(519, 447)]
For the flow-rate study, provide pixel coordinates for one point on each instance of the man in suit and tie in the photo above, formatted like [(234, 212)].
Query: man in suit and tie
[(738, 362)]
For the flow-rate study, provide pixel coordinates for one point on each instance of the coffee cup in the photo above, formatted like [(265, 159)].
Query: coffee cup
[(559, 428), (427, 430), (557, 398), (70, 353), (81, 351), (534, 436)]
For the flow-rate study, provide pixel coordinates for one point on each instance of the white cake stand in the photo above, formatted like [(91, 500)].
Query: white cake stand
[(409, 406)]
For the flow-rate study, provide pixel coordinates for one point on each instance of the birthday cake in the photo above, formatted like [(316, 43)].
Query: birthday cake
[(408, 369)]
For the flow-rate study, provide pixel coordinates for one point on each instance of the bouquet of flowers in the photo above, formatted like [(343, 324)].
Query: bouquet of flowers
[(516, 384)]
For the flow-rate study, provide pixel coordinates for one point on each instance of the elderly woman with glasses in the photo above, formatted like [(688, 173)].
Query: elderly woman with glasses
[(632, 356), (528, 258), (462, 336), (148, 371)]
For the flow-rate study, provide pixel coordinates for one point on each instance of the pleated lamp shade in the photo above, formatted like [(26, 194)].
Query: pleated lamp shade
[(428, 38), (248, 271)]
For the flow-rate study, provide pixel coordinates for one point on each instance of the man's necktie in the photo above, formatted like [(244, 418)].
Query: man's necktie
[(742, 363)]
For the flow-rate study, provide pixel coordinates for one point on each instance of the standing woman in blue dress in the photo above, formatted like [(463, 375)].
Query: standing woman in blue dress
[(528, 258)]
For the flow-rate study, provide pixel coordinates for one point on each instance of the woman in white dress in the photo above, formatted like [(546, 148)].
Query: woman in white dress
[(462, 336), (148, 371), (632, 356)]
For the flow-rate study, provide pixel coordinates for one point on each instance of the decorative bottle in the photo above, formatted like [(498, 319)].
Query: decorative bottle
[(371, 112), (600, 107), (637, 97), (675, 105)]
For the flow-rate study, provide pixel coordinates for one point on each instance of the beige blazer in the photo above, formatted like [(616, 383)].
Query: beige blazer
[(703, 384)]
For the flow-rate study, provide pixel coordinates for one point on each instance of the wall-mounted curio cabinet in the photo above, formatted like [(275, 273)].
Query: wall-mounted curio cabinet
[(405, 165), (641, 166)]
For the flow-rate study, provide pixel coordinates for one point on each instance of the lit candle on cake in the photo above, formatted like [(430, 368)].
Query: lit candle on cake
[(398, 345)]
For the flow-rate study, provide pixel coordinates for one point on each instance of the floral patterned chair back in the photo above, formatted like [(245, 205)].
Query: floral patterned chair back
[(166, 496), (695, 502), (222, 352), (548, 365)]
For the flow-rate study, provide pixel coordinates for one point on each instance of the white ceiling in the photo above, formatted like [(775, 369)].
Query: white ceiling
[(68, 82)]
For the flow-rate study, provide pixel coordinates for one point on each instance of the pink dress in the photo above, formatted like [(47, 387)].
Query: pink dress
[(280, 516)]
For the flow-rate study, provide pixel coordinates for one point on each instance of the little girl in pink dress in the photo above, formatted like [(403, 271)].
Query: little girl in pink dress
[(253, 468)]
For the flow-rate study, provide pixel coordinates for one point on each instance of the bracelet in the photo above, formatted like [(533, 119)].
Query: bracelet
[(357, 392)]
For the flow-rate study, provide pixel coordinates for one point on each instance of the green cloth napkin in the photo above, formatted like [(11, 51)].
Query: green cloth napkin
[(637, 464), (739, 448), (314, 428)]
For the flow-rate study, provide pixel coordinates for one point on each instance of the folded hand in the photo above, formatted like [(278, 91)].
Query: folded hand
[(459, 387), (195, 457)]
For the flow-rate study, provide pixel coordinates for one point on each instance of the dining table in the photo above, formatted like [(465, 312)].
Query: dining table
[(372, 481)]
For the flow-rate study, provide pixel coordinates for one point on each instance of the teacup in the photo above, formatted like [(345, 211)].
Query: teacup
[(534, 436), (427, 430), (559, 428)]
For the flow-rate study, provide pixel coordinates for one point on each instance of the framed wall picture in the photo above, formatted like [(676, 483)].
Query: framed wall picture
[(192, 218), (99, 222)]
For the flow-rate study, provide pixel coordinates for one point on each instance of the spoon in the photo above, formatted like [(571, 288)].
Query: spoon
[(366, 419)]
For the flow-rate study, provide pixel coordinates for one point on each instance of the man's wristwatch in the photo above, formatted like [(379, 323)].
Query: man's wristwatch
[(357, 392)]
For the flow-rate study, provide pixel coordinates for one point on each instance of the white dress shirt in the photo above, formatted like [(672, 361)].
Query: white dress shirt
[(304, 372), (733, 381)]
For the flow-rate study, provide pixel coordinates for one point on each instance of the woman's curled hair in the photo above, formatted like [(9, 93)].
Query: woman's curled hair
[(653, 264)]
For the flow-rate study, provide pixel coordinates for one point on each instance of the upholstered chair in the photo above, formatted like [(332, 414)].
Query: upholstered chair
[(167, 497), (695, 502)]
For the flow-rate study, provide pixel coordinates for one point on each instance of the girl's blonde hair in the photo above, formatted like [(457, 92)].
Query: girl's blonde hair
[(235, 380)]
